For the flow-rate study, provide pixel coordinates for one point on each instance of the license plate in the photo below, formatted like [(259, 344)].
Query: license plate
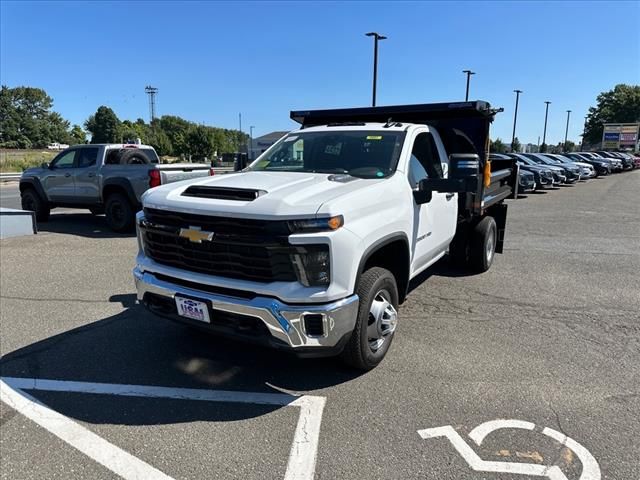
[(193, 309)]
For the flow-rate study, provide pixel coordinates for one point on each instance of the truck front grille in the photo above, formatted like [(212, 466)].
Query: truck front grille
[(243, 249)]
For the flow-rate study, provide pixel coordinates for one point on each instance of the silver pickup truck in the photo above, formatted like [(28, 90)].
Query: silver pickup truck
[(104, 178)]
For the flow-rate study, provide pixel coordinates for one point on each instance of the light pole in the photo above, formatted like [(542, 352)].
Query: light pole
[(544, 133), (376, 37), (251, 142), (584, 132), (240, 126), (566, 131), (515, 119), (469, 73)]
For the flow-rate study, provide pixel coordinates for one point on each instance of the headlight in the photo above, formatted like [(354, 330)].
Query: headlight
[(312, 265), (316, 224)]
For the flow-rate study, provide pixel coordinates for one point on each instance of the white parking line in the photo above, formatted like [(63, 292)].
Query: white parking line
[(302, 456)]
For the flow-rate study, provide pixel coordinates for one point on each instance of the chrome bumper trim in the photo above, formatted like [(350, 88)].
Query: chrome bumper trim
[(283, 321)]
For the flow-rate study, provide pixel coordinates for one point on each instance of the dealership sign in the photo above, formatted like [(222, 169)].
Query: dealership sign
[(620, 135)]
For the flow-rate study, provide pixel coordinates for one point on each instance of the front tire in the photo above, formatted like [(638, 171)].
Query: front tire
[(483, 244), (30, 200), (120, 214), (376, 322)]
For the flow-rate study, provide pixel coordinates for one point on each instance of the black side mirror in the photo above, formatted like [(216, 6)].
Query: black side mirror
[(44, 165), (424, 192)]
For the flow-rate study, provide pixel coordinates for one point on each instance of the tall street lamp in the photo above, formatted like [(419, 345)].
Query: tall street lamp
[(566, 131), (515, 119), (544, 133), (584, 132), (251, 142), (376, 37), (469, 73)]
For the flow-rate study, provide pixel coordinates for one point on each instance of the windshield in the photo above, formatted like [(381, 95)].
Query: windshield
[(360, 153)]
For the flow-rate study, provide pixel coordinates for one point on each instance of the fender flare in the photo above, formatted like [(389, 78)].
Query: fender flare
[(121, 183), (379, 244), (33, 182)]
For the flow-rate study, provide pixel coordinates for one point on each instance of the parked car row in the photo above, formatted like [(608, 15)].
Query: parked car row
[(545, 170)]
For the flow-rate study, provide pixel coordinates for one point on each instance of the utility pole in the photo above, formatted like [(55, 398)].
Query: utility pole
[(251, 142), (469, 73), (566, 131), (584, 132), (151, 91), (240, 141), (544, 133), (376, 37), (515, 119)]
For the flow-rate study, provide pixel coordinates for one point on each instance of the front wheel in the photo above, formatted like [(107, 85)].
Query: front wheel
[(30, 200), (119, 212), (377, 319)]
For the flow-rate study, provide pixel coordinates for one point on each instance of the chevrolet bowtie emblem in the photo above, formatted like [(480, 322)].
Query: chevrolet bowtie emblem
[(196, 234)]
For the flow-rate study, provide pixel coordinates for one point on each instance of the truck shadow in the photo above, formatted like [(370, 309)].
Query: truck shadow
[(80, 224), (136, 348)]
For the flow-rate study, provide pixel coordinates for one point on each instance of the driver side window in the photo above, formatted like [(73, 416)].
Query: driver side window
[(425, 160), (65, 160)]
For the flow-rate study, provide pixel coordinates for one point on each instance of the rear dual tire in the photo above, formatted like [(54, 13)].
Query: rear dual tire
[(474, 247)]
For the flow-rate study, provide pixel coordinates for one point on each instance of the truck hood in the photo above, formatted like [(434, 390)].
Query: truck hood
[(280, 194)]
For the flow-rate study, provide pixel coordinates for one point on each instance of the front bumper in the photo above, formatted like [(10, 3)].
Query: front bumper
[(281, 325)]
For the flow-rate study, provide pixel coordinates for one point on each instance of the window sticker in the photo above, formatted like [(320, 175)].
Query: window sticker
[(374, 137), (333, 149)]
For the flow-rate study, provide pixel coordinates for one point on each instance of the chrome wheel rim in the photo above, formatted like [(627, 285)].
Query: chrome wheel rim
[(490, 245), (382, 321)]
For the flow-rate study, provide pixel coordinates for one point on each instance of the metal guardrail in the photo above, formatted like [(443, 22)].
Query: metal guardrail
[(6, 177)]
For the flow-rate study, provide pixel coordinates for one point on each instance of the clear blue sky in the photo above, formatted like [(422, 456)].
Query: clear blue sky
[(211, 60)]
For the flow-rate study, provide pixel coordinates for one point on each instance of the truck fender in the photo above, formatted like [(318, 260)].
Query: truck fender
[(32, 182), (398, 263), (122, 184)]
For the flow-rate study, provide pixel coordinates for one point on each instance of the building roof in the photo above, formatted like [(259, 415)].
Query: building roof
[(270, 138)]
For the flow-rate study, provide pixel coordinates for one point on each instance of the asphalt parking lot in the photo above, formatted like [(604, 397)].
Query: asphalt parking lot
[(550, 336)]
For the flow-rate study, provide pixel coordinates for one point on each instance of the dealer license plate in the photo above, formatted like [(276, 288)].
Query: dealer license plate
[(193, 309)]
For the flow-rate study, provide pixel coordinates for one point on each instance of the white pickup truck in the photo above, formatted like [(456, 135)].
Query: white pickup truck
[(311, 247)]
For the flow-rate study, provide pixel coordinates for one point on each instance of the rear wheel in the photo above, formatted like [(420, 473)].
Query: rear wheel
[(30, 200), (484, 237), (120, 214), (376, 322)]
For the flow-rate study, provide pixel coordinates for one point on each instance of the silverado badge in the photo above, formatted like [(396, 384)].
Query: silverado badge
[(196, 234)]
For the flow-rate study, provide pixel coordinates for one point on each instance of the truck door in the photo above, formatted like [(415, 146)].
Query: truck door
[(58, 181), (85, 175), (434, 222)]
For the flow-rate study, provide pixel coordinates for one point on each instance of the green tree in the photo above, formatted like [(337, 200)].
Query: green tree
[(620, 105), (200, 142), (516, 146), (177, 130), (159, 141), (78, 135), (26, 120), (497, 146), (104, 126)]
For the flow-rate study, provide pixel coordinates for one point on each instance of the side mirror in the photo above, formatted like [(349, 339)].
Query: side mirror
[(44, 165), (424, 192)]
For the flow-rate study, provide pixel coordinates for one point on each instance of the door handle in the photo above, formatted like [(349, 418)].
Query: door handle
[(450, 196), (67, 174)]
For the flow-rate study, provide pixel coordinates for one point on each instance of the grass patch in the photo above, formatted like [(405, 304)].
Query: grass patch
[(16, 161)]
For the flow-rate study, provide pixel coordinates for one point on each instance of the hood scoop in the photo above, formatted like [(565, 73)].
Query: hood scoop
[(223, 193)]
